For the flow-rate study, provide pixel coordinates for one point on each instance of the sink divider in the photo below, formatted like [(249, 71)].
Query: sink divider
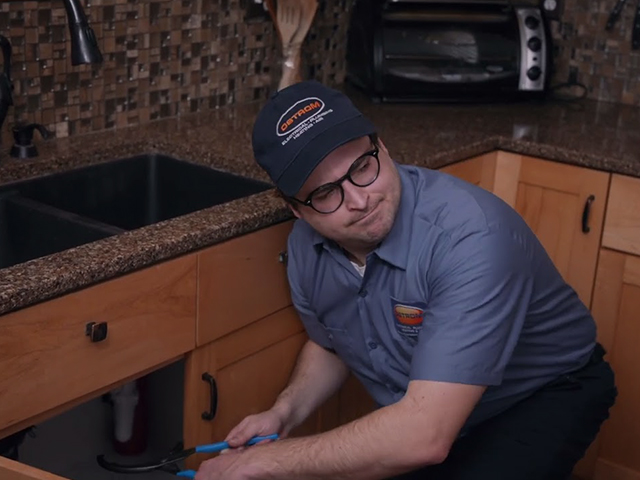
[(28, 203)]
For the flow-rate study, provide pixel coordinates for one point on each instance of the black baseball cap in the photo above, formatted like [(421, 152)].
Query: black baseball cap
[(299, 126)]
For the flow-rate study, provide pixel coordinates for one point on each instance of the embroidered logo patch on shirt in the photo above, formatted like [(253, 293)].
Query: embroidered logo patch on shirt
[(408, 317)]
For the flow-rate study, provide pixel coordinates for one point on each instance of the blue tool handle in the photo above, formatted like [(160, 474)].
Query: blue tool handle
[(212, 447), (187, 474), (254, 440), (217, 447)]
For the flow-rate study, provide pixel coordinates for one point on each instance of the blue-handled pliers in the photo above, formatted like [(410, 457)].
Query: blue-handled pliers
[(176, 457)]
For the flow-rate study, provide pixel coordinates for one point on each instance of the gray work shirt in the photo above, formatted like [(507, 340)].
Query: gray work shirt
[(460, 291)]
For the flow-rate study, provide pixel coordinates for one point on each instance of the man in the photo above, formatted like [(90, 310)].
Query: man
[(438, 297)]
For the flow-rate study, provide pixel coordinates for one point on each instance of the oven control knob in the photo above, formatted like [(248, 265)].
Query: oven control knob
[(531, 22), (534, 44), (534, 73)]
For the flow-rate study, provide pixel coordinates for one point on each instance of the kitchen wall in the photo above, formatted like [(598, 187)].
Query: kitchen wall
[(162, 58), (602, 60), (165, 58)]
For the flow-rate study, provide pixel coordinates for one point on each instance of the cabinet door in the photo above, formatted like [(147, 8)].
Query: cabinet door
[(622, 224), (10, 470), (48, 363), (564, 206), (241, 281), (478, 170), (616, 303), (354, 401), (251, 367)]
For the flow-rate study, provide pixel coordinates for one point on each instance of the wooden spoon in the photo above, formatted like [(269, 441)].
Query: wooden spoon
[(292, 52)]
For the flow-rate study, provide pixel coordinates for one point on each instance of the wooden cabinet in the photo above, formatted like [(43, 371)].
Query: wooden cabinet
[(48, 363), (622, 225), (615, 455), (478, 170), (10, 470), (554, 198), (353, 401), (241, 281), (616, 303), (250, 367)]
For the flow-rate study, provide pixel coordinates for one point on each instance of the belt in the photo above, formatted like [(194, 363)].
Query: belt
[(597, 356)]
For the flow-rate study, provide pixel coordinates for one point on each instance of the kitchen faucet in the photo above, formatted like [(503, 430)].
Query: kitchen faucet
[(84, 46), (84, 49)]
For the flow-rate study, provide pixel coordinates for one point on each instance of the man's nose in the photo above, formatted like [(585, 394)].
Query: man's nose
[(355, 198)]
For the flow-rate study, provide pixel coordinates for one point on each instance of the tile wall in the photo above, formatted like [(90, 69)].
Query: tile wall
[(162, 58), (165, 58), (601, 60)]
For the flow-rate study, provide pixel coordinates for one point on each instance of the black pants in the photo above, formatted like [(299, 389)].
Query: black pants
[(540, 438)]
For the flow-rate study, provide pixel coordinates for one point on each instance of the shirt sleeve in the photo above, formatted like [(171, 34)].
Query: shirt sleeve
[(480, 288), (312, 325)]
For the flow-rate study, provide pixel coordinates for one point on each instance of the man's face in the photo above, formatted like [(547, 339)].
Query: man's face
[(367, 213)]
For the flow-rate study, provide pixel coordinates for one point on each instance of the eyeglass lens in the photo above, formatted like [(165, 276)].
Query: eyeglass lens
[(362, 173)]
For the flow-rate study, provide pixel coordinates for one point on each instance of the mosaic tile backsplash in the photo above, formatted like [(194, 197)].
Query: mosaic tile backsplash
[(602, 60), (165, 58), (162, 58)]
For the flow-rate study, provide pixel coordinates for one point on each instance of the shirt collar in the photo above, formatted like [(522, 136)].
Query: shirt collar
[(393, 249)]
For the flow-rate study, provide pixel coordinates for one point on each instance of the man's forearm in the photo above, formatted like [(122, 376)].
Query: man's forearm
[(317, 375), (387, 442)]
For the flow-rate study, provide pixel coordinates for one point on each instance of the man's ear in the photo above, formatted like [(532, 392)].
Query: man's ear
[(294, 210), (382, 146)]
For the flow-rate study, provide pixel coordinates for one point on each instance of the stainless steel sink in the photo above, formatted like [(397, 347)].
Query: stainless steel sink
[(139, 191), (29, 230), (53, 213)]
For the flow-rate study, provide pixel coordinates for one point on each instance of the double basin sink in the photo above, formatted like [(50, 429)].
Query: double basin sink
[(50, 214)]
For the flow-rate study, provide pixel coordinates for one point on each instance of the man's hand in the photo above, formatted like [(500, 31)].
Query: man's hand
[(241, 464), (265, 423)]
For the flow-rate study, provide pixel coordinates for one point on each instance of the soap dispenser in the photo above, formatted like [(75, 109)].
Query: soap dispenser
[(23, 146)]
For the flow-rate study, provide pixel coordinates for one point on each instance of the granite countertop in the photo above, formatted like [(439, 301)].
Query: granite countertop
[(592, 134)]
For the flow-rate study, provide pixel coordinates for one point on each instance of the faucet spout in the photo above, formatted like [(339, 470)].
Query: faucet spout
[(84, 46)]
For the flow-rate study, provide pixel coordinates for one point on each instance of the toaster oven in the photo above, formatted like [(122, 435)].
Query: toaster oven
[(439, 51)]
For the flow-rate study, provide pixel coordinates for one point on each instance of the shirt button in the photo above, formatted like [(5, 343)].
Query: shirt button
[(363, 293), (330, 336), (373, 345)]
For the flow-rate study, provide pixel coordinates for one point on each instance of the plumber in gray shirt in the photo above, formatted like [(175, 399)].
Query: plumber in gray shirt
[(440, 300)]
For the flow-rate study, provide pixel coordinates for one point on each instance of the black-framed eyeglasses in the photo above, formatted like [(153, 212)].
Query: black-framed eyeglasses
[(328, 198)]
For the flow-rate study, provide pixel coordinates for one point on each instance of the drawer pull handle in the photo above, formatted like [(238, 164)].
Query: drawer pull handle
[(585, 214), (283, 257), (213, 406), (97, 332)]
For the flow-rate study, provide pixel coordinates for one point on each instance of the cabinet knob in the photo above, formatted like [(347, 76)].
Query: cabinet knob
[(97, 332), (283, 257)]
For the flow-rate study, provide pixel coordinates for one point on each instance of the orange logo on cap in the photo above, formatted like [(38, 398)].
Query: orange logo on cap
[(407, 315), (298, 114)]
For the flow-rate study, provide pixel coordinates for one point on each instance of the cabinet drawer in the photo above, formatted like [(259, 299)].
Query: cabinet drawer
[(241, 281), (47, 360), (622, 222), (10, 470)]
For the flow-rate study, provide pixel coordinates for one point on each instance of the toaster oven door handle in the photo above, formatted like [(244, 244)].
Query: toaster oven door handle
[(445, 17)]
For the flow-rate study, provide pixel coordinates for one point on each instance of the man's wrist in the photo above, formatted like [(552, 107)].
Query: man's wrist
[(286, 412)]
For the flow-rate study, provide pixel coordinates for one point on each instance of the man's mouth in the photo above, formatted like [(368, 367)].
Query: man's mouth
[(367, 215)]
